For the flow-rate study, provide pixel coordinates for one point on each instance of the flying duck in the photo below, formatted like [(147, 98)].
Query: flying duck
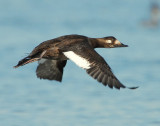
[(52, 56)]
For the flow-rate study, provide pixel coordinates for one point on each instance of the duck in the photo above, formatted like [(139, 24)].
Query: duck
[(52, 56)]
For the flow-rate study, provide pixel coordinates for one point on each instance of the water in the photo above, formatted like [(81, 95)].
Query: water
[(79, 100)]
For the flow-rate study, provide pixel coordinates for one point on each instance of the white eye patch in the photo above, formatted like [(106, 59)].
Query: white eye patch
[(108, 41)]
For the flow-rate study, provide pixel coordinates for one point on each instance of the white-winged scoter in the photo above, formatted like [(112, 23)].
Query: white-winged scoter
[(52, 56)]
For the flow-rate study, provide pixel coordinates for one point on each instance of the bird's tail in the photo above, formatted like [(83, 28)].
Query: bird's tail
[(26, 60)]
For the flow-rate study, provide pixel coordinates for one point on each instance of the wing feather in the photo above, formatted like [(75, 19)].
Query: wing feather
[(87, 58), (50, 69)]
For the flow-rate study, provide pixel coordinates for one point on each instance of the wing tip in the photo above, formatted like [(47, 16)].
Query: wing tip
[(133, 87), (119, 87)]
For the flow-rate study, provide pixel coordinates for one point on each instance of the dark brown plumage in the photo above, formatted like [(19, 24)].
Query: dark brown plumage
[(52, 56)]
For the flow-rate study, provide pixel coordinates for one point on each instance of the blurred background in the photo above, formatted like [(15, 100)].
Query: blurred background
[(80, 100)]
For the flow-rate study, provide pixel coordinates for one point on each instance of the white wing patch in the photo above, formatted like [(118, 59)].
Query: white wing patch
[(80, 61), (108, 41)]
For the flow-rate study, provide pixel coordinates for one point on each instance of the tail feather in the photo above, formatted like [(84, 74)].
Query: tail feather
[(26, 60)]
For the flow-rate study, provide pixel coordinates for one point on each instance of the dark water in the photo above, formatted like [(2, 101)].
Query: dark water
[(79, 100)]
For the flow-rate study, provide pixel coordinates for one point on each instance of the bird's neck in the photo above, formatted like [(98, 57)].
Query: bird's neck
[(96, 42)]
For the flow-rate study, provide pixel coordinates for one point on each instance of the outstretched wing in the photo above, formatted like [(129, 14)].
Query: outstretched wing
[(50, 69), (87, 58)]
